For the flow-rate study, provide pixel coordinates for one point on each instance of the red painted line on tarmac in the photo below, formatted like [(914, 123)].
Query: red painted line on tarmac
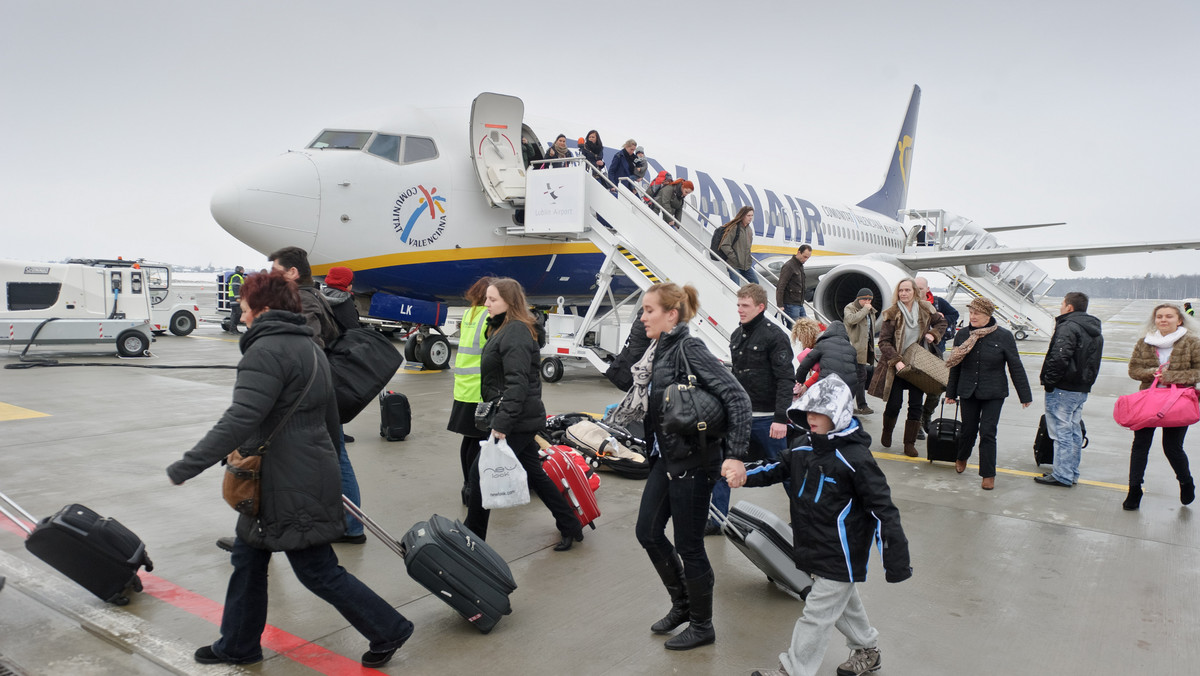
[(297, 649), (289, 645)]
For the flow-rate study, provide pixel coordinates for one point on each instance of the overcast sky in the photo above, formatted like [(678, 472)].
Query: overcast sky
[(123, 117)]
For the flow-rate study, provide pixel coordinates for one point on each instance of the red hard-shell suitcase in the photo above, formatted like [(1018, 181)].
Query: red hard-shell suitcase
[(99, 553), (568, 475)]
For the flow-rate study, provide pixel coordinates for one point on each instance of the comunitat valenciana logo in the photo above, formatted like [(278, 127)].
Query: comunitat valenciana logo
[(419, 216)]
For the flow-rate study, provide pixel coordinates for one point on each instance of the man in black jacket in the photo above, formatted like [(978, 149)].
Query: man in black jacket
[(793, 283), (1070, 369), (762, 364)]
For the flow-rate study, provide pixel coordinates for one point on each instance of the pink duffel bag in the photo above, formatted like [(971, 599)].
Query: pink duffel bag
[(1171, 406)]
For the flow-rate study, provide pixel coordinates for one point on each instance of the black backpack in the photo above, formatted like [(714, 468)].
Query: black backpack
[(717, 238)]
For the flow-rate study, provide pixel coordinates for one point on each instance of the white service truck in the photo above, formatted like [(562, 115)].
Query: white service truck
[(74, 303)]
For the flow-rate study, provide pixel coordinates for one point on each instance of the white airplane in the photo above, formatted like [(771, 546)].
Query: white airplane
[(400, 198)]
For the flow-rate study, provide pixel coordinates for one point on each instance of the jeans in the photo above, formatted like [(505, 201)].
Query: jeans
[(982, 417), (525, 447), (245, 614), (761, 444), (1064, 410), (683, 500), (794, 311), (349, 484), (916, 399), (1172, 445), (829, 604), (748, 274)]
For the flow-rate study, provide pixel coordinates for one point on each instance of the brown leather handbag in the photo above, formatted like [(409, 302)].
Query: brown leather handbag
[(242, 487), (924, 369)]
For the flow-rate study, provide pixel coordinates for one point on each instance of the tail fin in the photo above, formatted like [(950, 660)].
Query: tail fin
[(892, 198)]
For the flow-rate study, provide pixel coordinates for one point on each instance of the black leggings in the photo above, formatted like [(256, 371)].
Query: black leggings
[(1172, 445), (916, 399)]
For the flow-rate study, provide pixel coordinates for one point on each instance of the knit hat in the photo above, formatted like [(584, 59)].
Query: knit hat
[(639, 150), (864, 293), (581, 141), (339, 278), (982, 306)]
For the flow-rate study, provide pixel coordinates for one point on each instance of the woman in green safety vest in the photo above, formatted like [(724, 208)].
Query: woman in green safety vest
[(467, 381)]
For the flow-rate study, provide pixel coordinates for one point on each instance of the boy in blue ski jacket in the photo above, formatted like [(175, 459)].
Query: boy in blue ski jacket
[(841, 507)]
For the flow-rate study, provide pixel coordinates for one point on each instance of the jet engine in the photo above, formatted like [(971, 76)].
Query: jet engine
[(840, 286)]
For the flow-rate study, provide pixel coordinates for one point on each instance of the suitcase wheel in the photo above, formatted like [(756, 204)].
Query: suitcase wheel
[(119, 600), (137, 583)]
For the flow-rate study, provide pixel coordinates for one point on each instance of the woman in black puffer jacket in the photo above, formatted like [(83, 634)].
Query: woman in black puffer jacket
[(509, 375), (981, 351), (301, 510), (679, 487)]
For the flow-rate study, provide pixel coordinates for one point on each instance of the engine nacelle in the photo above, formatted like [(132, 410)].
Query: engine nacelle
[(840, 286)]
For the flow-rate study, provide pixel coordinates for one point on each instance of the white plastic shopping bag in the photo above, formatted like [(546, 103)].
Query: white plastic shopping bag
[(502, 479)]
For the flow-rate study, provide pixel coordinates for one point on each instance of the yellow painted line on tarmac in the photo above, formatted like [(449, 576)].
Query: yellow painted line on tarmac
[(10, 412), (999, 470), (1123, 360)]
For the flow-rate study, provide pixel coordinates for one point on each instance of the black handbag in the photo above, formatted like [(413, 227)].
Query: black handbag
[(690, 410), (485, 414)]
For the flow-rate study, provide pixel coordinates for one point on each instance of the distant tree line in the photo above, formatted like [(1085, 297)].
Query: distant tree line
[(1149, 286)]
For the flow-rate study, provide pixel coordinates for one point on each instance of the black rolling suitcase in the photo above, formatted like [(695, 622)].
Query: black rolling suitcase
[(395, 416), (449, 560), (1043, 445), (766, 540), (99, 553), (941, 441)]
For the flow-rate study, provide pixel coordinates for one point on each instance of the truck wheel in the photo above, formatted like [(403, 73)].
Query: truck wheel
[(182, 323), (434, 352), (552, 369), (1019, 334), (133, 343)]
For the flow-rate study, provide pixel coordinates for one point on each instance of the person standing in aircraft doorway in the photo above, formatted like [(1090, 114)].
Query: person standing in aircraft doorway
[(735, 246), (793, 284)]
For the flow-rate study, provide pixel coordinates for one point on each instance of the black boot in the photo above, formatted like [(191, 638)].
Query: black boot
[(1187, 492), (700, 630), (670, 570), (1134, 499)]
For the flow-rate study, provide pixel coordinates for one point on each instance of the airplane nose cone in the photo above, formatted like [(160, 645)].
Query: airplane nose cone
[(273, 206)]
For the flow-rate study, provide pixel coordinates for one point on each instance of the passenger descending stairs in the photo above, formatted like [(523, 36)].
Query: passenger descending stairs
[(639, 244), (1023, 315)]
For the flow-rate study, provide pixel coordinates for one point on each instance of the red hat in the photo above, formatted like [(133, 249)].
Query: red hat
[(339, 278)]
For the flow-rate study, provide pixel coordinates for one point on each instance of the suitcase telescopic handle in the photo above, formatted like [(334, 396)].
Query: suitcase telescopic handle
[(376, 530), (24, 526)]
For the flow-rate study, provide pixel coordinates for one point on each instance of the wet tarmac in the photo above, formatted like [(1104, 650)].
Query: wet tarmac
[(1024, 579)]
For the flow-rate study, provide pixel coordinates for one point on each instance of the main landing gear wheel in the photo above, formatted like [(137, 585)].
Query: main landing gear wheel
[(182, 323), (133, 343), (552, 369), (434, 352), (410, 347), (1019, 334)]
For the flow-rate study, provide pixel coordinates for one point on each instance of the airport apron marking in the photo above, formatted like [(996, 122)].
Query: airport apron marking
[(999, 470), (10, 412), (289, 645)]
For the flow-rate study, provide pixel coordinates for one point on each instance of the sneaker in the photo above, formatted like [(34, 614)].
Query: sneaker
[(770, 672), (1050, 480), (864, 410), (862, 661)]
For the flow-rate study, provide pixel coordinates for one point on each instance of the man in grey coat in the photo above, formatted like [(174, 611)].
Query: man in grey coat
[(859, 318)]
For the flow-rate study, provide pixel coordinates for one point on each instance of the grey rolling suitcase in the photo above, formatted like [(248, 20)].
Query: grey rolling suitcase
[(98, 553), (449, 560), (766, 540)]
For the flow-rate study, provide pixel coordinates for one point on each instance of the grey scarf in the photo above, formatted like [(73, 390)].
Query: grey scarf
[(911, 334), (637, 400)]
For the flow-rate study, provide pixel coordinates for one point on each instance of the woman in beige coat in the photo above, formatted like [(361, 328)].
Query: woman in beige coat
[(909, 320)]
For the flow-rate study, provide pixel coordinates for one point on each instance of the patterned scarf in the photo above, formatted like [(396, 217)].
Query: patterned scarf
[(637, 400), (960, 353)]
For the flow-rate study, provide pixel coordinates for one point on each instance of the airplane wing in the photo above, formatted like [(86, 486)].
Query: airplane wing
[(933, 259)]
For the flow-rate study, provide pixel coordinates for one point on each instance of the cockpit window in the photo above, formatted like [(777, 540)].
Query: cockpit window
[(341, 140), (386, 146), (418, 148)]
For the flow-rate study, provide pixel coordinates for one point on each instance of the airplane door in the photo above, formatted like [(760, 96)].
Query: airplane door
[(496, 147)]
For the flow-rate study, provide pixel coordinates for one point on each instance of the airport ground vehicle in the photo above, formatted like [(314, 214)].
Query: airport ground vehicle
[(171, 308), (74, 303)]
